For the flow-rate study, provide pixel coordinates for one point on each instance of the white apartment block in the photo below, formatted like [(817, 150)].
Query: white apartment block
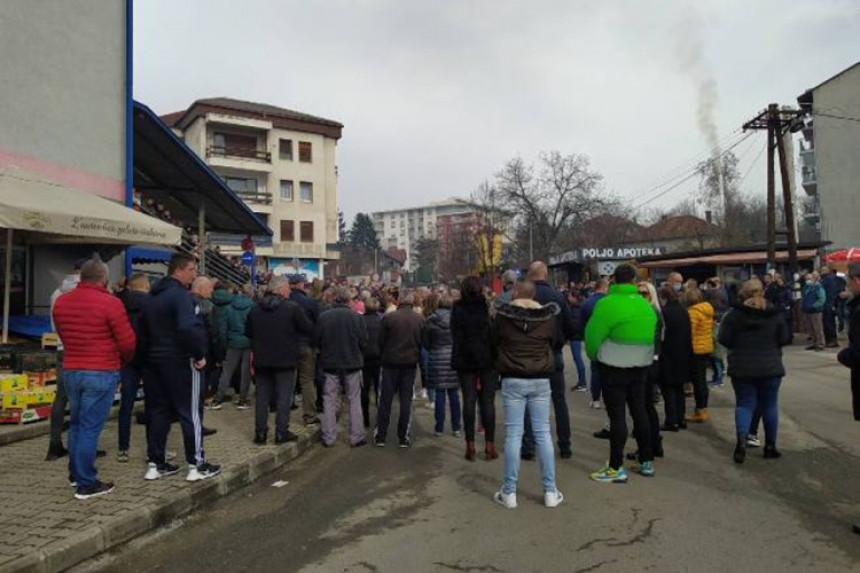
[(402, 228), (281, 163)]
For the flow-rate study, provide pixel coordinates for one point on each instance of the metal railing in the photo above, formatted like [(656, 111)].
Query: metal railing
[(241, 152), (261, 197)]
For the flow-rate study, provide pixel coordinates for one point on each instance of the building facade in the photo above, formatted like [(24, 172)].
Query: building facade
[(403, 228), (282, 164), (829, 154)]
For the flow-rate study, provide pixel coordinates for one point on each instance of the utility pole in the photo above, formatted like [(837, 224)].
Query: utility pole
[(777, 123), (772, 111), (788, 206)]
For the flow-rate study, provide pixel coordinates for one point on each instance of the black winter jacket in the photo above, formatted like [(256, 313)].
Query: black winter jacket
[(341, 337), (274, 325), (545, 294), (676, 352), (754, 338), (439, 342), (470, 330), (312, 311), (373, 323), (850, 355), (169, 325), (576, 321), (524, 336), (135, 302)]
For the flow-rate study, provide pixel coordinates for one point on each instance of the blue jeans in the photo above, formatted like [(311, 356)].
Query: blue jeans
[(131, 377), (91, 394), (757, 394), (453, 395), (576, 352), (516, 394)]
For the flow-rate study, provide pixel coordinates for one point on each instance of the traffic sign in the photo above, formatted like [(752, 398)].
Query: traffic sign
[(248, 258)]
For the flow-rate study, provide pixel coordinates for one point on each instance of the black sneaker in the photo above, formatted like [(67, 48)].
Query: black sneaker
[(379, 442), (155, 471), (288, 437), (405, 442), (527, 456), (565, 453), (602, 434), (203, 471), (208, 431), (260, 438), (358, 444), (97, 489)]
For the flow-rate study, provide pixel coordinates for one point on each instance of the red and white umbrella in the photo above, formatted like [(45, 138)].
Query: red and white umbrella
[(844, 256)]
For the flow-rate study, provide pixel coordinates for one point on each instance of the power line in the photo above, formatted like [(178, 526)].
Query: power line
[(690, 176)]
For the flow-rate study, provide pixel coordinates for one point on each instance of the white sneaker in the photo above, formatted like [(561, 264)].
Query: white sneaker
[(424, 393), (203, 471), (508, 500), (553, 498), (753, 441), (595, 404)]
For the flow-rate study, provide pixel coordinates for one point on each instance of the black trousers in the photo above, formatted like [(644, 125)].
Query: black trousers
[(699, 378), (173, 386), (559, 406), (828, 319), (650, 408), (274, 385), (483, 397), (625, 388), (674, 404), (401, 381), (369, 385)]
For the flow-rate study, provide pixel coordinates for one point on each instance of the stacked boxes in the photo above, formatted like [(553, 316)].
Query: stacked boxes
[(25, 397)]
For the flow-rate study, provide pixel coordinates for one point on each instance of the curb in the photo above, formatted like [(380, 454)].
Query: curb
[(68, 552)]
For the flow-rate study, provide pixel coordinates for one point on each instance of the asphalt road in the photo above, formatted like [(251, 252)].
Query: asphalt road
[(427, 509)]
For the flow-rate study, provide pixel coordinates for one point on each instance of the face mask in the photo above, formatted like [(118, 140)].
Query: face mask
[(677, 287)]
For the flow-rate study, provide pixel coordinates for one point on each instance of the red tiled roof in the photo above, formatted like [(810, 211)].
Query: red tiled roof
[(171, 118)]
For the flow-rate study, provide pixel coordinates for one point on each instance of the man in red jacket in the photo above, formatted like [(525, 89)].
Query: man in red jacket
[(97, 339)]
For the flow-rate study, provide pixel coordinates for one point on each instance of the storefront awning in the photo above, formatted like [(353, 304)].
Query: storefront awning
[(168, 171), (750, 258), (30, 203)]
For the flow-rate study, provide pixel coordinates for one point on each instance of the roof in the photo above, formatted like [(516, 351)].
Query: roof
[(170, 119), (167, 170), (806, 97), (680, 227), (453, 201), (697, 254), (280, 116), (750, 258)]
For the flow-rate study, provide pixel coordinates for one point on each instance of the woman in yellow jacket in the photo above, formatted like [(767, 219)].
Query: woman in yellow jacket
[(702, 327)]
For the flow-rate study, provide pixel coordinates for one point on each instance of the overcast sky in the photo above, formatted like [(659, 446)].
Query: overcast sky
[(436, 95)]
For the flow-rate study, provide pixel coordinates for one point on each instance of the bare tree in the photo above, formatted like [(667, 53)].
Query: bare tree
[(560, 192)]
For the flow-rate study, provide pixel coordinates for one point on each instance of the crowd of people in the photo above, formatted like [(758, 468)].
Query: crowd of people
[(188, 337)]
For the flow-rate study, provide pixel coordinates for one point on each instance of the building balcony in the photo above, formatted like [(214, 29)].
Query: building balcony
[(239, 158), (809, 180)]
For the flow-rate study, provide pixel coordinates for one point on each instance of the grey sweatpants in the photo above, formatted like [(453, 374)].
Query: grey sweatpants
[(236, 357), (351, 380)]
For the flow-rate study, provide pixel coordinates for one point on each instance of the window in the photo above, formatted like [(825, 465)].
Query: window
[(285, 149), (306, 231), (234, 142), (288, 231), (305, 155), (306, 192), (286, 190), (241, 184)]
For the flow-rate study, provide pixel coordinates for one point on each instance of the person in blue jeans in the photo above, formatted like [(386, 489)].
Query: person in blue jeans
[(601, 288), (754, 333), (442, 379), (575, 301), (97, 339), (524, 335)]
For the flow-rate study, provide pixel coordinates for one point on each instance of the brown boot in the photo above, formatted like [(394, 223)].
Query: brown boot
[(470, 451), (699, 417), (490, 452)]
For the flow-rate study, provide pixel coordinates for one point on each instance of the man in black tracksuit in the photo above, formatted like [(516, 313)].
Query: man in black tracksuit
[(174, 343), (545, 294)]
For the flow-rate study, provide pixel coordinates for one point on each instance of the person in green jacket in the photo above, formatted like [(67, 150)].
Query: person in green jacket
[(619, 339), (238, 349)]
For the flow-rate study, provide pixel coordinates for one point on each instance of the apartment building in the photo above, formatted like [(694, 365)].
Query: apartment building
[(282, 164), (402, 228), (830, 172)]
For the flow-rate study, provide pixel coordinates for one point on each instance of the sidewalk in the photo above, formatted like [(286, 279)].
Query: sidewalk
[(45, 529)]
